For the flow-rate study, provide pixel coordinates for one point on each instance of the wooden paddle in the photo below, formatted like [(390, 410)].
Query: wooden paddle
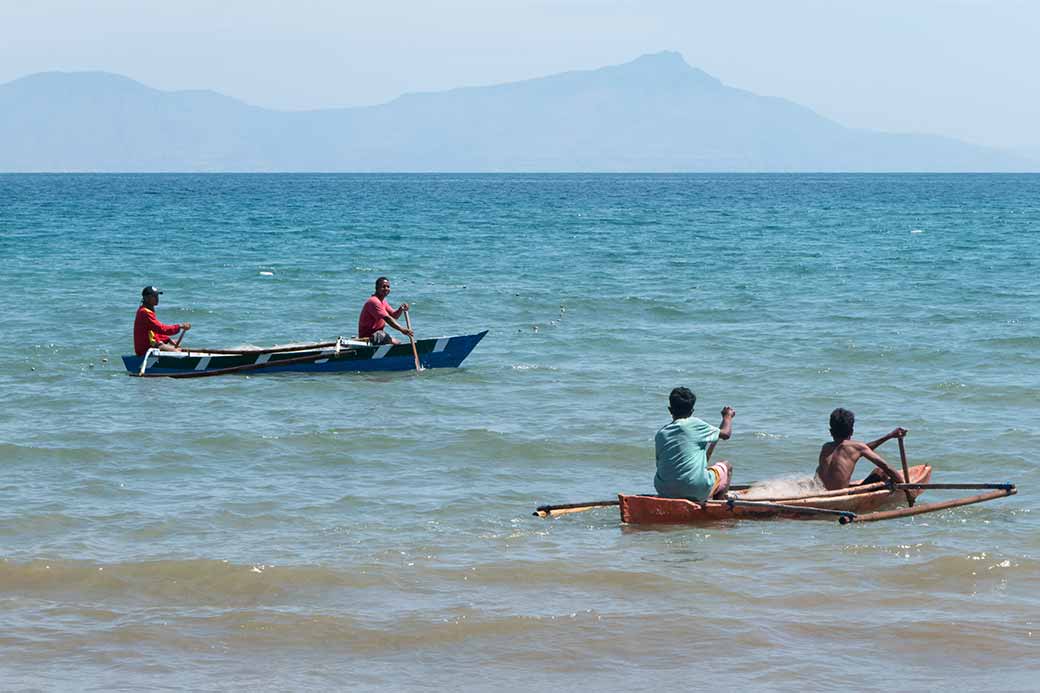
[(411, 338), (906, 472)]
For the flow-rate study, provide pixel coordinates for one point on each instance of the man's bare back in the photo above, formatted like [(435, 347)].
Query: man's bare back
[(838, 458)]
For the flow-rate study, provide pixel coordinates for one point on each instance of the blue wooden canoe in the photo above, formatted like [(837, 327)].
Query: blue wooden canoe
[(344, 355)]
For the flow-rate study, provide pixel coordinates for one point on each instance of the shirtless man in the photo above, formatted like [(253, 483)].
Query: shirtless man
[(838, 459)]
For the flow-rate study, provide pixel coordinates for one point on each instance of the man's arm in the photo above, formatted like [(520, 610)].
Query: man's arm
[(880, 463), (726, 427), (403, 308), (387, 315), (397, 326), (161, 328), (896, 433)]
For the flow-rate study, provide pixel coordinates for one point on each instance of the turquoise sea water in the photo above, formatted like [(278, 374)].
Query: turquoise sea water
[(301, 531)]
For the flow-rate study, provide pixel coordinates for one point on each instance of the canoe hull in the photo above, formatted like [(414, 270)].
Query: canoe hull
[(352, 357), (645, 510)]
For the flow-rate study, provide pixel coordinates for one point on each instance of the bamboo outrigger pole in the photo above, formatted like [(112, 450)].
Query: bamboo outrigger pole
[(843, 515), (567, 508), (925, 487), (929, 507)]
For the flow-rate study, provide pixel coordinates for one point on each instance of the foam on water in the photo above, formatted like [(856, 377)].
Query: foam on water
[(784, 487)]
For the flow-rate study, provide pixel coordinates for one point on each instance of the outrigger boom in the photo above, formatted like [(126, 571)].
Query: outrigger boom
[(1004, 490)]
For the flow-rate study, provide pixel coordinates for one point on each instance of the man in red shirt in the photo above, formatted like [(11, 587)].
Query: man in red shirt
[(376, 314), (149, 333)]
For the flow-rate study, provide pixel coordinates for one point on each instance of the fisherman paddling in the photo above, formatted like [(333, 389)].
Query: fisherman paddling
[(376, 314), (838, 458), (149, 333), (682, 450)]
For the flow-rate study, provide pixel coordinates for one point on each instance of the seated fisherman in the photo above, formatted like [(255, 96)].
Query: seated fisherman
[(149, 333), (838, 458), (683, 448), (376, 314)]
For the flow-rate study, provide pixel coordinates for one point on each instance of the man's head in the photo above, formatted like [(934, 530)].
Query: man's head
[(842, 423), (680, 403), (382, 287), (150, 296)]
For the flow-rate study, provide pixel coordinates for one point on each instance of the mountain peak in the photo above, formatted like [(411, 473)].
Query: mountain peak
[(664, 66), (89, 81), (663, 59)]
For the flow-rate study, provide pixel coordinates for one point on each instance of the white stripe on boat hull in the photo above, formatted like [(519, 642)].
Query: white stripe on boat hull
[(441, 343), (381, 351)]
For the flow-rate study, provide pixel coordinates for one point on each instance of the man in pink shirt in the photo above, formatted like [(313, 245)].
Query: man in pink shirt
[(376, 314)]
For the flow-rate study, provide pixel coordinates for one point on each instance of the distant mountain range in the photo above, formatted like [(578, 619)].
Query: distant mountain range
[(655, 113)]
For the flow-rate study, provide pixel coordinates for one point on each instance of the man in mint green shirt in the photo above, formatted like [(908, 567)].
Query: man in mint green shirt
[(683, 448)]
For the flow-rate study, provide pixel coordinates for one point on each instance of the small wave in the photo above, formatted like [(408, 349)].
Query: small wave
[(560, 575), (199, 581), (11, 452), (1031, 342), (979, 565)]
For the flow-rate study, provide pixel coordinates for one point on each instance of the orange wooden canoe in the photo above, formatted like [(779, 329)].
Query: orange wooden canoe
[(857, 498)]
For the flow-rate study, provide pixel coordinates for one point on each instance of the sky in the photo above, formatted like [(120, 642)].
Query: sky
[(961, 68)]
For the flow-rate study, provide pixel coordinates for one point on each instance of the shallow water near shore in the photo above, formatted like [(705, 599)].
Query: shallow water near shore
[(291, 531)]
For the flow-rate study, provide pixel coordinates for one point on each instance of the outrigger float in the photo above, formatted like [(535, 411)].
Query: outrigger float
[(342, 355), (860, 502)]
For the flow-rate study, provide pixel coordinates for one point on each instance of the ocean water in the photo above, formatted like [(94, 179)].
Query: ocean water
[(375, 531)]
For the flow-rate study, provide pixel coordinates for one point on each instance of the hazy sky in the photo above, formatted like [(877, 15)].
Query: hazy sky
[(964, 68)]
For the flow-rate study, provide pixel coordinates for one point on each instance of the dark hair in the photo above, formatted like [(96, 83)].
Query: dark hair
[(381, 279), (680, 402), (842, 423)]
